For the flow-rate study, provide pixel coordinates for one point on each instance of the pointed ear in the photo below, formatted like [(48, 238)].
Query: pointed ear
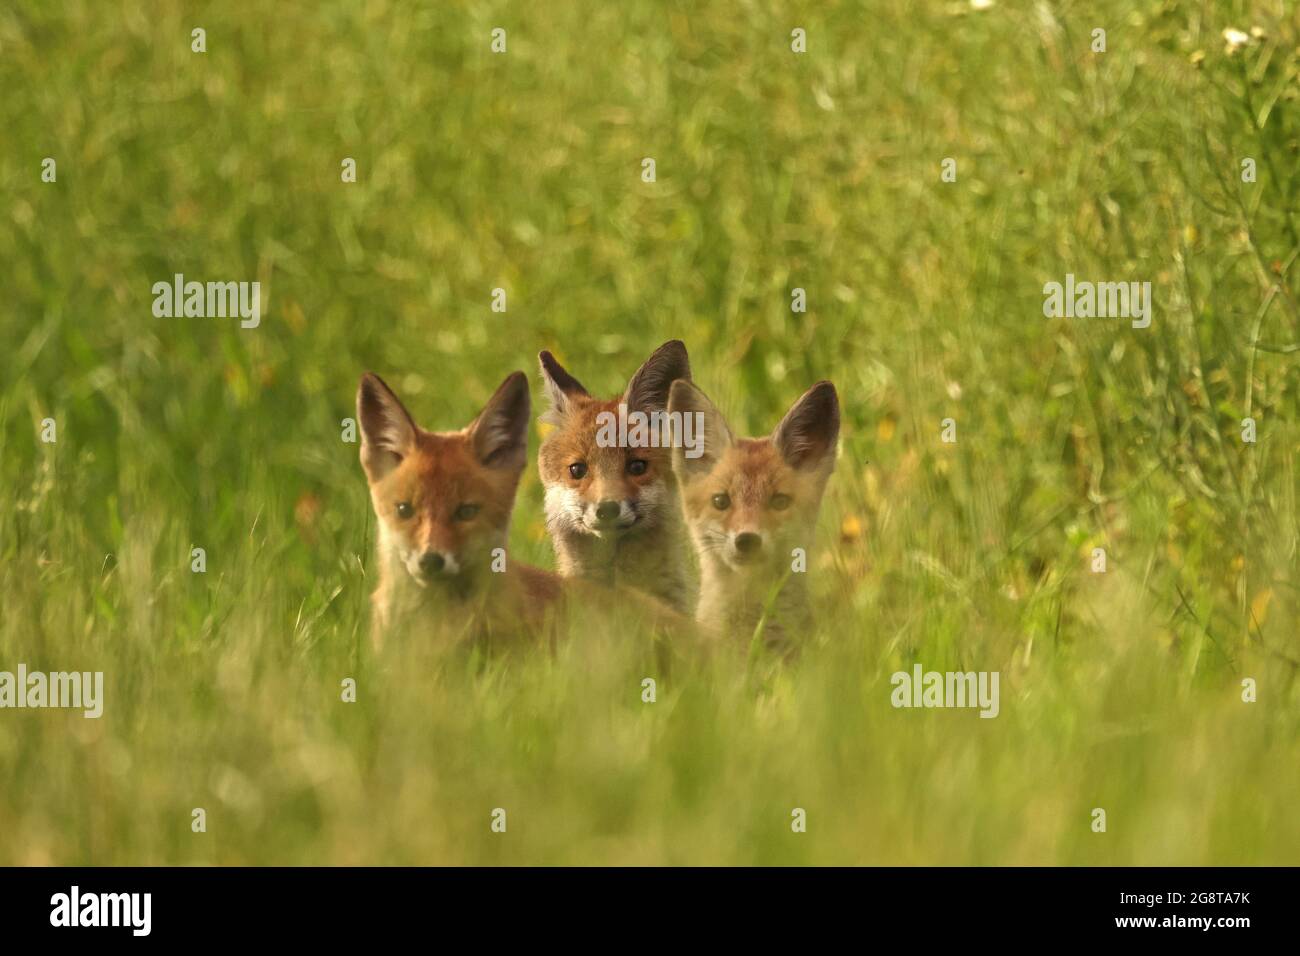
[(807, 435), (709, 434), (648, 389), (561, 388), (387, 431), (499, 435)]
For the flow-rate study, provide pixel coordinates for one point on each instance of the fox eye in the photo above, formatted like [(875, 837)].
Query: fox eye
[(637, 466), (404, 509), (465, 512), (722, 501), (780, 502), (578, 470)]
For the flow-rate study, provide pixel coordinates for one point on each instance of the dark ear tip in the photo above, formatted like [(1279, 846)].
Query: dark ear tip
[(825, 390), (673, 352), (676, 348), (517, 382), (514, 384)]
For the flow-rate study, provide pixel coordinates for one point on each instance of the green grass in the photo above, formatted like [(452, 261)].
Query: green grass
[(774, 171)]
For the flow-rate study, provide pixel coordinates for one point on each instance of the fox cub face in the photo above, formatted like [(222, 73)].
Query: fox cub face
[(443, 499), (607, 492), (750, 501)]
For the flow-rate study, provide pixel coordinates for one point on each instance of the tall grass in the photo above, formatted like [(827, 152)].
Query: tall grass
[(820, 171)]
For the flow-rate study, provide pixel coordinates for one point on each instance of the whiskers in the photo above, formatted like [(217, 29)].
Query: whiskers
[(650, 505), (712, 541), (563, 512)]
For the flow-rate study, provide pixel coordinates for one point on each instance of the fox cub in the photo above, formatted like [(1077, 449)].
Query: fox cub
[(613, 512), (443, 502), (749, 503)]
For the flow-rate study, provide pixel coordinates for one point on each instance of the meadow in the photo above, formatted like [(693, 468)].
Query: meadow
[(774, 171)]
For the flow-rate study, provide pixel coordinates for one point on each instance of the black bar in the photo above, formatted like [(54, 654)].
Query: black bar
[(332, 906)]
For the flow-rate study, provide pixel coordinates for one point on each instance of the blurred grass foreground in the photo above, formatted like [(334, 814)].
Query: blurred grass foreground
[(1161, 690)]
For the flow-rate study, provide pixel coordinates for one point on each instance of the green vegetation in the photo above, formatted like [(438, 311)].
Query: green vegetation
[(775, 171)]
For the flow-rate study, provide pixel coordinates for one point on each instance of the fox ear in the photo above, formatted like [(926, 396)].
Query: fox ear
[(709, 435), (561, 388), (806, 436), (387, 431), (499, 434), (648, 389)]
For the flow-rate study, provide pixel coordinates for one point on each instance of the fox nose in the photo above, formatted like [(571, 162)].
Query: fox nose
[(607, 510), (747, 542), (431, 562)]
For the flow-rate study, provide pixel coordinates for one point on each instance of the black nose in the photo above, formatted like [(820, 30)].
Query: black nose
[(747, 542), (607, 510), (431, 562)]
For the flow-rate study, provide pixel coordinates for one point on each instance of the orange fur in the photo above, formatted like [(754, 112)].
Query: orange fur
[(749, 504), (443, 502), (642, 545)]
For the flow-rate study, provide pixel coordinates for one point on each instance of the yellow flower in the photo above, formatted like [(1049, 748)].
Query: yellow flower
[(1259, 606)]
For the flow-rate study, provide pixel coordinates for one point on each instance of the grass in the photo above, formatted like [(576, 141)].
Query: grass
[(774, 170)]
